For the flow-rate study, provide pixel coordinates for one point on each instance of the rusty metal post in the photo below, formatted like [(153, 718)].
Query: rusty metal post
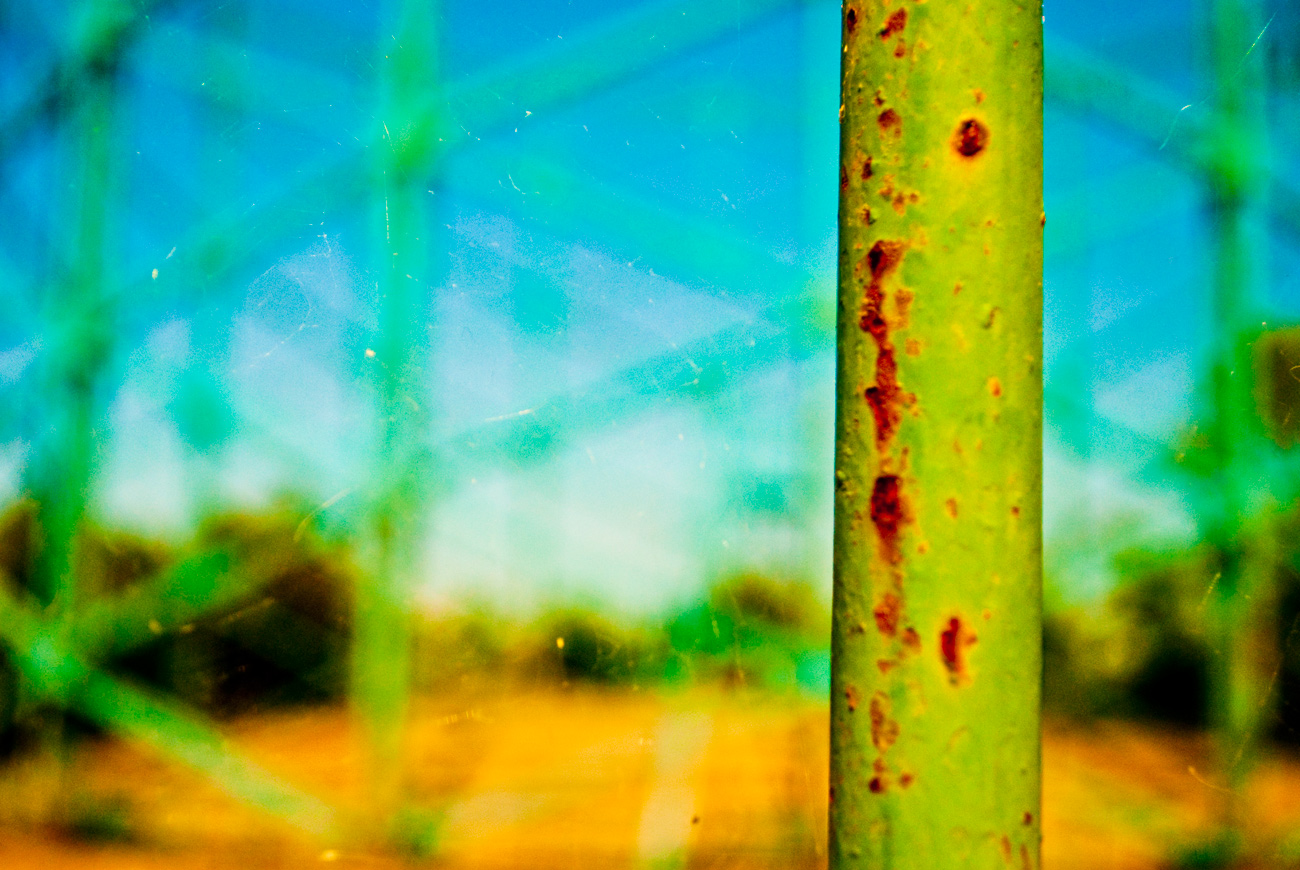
[(936, 640)]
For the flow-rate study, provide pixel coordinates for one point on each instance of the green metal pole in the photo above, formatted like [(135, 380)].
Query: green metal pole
[(79, 340), (1242, 617), (80, 313), (937, 606), (402, 473)]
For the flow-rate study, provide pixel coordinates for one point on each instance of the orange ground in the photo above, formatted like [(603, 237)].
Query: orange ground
[(590, 780)]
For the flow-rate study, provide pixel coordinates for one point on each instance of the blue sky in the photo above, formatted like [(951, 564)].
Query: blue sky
[(631, 294)]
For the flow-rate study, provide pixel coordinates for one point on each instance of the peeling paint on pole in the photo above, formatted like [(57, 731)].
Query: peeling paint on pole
[(936, 642)]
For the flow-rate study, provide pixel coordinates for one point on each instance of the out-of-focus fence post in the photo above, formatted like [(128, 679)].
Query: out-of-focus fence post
[(1244, 651), (402, 471), (81, 312)]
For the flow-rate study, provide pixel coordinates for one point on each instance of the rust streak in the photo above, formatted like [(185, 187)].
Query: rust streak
[(953, 641), (884, 731), (887, 514), (887, 613), (894, 24), (884, 397)]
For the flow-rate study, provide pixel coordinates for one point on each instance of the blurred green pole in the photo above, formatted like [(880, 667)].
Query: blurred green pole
[(402, 473), (1242, 618), (936, 650), (80, 315), (79, 320)]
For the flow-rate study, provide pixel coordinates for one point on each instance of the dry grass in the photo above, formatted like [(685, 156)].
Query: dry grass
[(591, 779)]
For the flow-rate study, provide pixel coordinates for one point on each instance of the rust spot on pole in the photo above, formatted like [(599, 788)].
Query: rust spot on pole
[(887, 614), (894, 24), (884, 731), (887, 514), (884, 257), (890, 123), (884, 397), (953, 641), (971, 138)]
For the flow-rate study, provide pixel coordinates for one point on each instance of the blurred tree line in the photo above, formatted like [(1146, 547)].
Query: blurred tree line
[(1148, 649), (285, 639)]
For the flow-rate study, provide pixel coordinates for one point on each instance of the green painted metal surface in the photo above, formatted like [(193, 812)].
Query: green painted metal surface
[(936, 640)]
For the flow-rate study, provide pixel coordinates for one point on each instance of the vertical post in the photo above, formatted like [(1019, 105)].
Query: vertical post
[(398, 503), (936, 651), (1242, 620), (79, 316)]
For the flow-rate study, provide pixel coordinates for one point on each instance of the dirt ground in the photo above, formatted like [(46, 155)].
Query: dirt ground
[(596, 779)]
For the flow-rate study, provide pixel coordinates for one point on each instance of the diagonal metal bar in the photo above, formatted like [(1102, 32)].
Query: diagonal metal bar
[(1152, 114), (602, 56), (692, 249), (463, 113), (204, 588), (201, 587), (1080, 81), (57, 673), (100, 43), (315, 654)]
